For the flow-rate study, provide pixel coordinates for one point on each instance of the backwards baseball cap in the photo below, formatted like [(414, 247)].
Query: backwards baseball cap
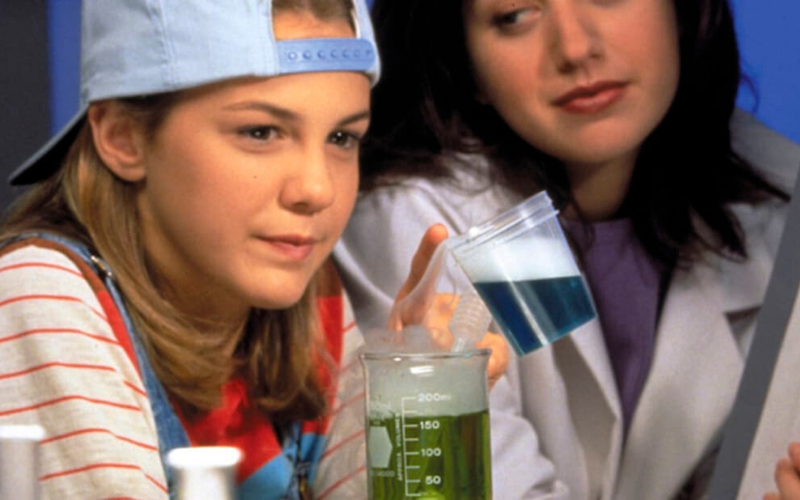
[(140, 47)]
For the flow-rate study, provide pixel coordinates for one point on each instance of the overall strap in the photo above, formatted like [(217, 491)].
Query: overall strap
[(171, 433)]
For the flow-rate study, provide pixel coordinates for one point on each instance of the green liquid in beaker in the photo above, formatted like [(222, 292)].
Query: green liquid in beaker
[(430, 457)]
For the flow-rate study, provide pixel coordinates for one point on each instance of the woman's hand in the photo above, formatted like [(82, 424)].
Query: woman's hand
[(787, 476), (498, 362), (437, 309), (414, 313)]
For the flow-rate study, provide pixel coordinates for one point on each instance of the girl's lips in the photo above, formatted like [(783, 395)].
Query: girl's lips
[(295, 248), (591, 99)]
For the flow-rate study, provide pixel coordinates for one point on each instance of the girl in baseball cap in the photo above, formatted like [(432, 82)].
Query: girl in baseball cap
[(164, 282)]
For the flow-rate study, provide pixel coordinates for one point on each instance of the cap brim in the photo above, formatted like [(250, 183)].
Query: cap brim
[(48, 158)]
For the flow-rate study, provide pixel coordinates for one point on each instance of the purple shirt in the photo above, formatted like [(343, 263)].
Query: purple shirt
[(626, 284)]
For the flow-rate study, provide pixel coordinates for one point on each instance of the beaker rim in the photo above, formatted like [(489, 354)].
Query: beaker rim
[(474, 353)]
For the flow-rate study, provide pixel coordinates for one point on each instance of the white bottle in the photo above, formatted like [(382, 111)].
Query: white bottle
[(19, 461), (204, 472)]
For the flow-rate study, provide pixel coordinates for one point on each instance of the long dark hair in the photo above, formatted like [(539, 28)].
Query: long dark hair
[(424, 109)]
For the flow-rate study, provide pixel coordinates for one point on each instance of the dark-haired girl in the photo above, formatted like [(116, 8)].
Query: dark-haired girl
[(624, 111)]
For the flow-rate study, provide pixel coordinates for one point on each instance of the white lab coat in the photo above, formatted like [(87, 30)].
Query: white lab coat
[(556, 415)]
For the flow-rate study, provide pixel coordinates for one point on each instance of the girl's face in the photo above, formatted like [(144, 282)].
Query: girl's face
[(585, 81), (250, 182)]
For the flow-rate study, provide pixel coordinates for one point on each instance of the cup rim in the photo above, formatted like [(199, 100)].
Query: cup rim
[(532, 211)]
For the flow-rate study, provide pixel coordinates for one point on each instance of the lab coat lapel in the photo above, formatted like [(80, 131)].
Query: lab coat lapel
[(594, 404), (694, 374), (569, 394)]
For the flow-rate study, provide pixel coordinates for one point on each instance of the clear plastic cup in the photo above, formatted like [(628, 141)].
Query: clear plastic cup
[(523, 268)]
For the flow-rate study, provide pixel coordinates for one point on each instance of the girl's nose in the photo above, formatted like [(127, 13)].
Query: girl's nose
[(309, 185), (575, 39)]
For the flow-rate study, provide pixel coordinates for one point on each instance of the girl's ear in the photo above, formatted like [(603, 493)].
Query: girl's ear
[(118, 139)]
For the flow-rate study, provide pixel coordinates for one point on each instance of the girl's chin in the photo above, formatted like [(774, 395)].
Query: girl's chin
[(598, 143), (277, 304), (275, 290), (595, 152), (278, 301)]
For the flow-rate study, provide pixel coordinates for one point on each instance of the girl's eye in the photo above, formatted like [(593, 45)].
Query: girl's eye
[(344, 140), (260, 132), (515, 19), (507, 18)]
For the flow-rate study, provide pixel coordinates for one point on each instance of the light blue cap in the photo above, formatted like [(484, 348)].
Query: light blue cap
[(140, 47)]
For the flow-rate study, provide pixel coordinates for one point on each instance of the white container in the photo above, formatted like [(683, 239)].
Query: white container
[(19, 461), (204, 472)]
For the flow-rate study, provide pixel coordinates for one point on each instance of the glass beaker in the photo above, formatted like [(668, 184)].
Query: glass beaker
[(428, 425), (523, 268)]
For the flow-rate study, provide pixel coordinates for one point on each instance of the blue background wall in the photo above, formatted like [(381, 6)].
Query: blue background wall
[(770, 47), (63, 29), (769, 41)]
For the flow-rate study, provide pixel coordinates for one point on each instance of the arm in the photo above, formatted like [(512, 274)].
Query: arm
[(69, 374), (437, 311), (376, 250), (342, 467)]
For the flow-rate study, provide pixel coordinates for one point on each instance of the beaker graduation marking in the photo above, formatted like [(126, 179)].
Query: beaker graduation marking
[(430, 423), (403, 413)]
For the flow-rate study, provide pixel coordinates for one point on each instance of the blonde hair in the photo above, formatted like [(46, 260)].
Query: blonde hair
[(280, 353)]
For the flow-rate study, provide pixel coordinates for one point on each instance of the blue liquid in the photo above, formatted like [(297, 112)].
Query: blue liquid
[(559, 305)]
